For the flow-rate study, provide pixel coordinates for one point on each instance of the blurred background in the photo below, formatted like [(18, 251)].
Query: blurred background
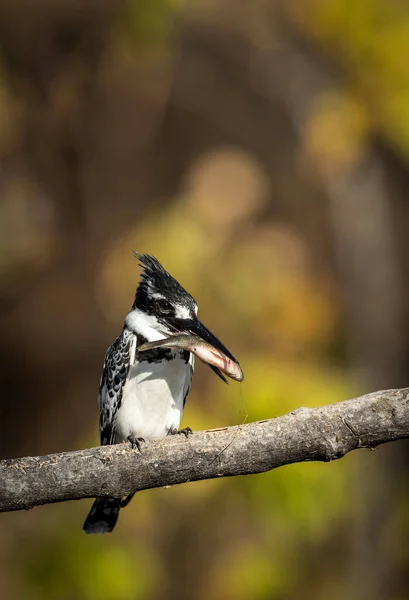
[(259, 149)]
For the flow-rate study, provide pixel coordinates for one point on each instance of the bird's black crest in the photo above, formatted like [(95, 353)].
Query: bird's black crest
[(155, 279)]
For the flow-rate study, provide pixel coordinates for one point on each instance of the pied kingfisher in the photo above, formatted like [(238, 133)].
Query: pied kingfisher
[(142, 397)]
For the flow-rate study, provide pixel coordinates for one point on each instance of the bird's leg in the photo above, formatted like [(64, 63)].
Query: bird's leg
[(135, 442), (186, 431)]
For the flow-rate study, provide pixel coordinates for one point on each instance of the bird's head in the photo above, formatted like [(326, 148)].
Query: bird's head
[(162, 307)]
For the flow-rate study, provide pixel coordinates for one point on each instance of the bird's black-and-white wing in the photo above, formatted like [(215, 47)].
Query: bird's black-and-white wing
[(118, 360)]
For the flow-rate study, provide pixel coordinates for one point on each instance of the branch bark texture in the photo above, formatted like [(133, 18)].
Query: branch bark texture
[(322, 434)]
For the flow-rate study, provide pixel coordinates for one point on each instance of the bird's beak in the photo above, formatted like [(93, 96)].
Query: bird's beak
[(196, 327)]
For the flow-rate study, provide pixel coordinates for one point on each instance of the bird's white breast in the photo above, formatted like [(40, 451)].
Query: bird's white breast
[(152, 400)]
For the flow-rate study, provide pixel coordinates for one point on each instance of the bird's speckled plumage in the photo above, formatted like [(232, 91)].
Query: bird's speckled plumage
[(118, 360)]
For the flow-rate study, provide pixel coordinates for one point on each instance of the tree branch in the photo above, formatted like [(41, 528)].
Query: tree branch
[(323, 434)]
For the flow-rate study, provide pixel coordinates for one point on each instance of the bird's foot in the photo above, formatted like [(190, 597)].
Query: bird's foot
[(135, 442), (186, 431)]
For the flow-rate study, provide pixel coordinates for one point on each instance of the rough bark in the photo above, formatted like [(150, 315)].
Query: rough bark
[(322, 434)]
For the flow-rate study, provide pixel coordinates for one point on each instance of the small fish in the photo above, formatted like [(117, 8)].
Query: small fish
[(206, 352)]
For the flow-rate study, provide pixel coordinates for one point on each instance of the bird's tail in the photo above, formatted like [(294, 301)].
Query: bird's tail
[(103, 516)]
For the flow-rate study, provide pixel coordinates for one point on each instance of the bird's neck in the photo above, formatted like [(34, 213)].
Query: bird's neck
[(143, 325)]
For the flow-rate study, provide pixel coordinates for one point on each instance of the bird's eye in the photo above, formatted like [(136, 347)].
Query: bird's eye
[(165, 307)]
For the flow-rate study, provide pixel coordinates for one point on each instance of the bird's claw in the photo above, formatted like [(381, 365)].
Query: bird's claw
[(186, 431), (135, 442)]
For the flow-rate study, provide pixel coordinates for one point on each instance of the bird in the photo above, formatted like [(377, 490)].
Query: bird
[(142, 397)]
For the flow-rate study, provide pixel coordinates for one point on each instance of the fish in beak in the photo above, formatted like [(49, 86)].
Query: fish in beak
[(196, 327), (199, 340)]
